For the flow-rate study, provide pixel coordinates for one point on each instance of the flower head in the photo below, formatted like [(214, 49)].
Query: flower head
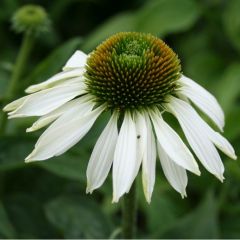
[(32, 19), (136, 77)]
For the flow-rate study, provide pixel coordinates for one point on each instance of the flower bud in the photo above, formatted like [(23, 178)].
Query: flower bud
[(31, 19)]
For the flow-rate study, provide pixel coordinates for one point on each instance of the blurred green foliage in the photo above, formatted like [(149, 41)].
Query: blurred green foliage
[(47, 199)]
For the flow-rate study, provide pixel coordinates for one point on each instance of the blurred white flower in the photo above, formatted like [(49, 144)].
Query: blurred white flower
[(137, 77)]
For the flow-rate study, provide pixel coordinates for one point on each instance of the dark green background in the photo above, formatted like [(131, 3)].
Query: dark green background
[(47, 200)]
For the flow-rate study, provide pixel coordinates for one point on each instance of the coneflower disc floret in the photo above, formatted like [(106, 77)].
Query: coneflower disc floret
[(132, 71)]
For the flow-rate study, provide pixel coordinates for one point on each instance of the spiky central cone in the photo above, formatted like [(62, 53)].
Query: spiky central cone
[(132, 71)]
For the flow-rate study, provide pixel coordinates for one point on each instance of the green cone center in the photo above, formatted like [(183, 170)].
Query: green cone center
[(132, 71)]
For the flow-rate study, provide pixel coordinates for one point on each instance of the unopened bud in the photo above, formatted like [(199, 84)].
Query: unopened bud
[(31, 19)]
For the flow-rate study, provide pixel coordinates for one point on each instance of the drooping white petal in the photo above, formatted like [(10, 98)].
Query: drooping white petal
[(43, 102), (52, 116), (175, 174), (173, 145), (141, 130), (71, 81), (15, 104), (124, 163), (77, 60), (102, 156), (42, 122), (149, 162), (78, 72), (197, 136), (65, 132), (223, 144), (204, 100)]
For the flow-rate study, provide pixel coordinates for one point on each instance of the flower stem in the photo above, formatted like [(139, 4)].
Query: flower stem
[(22, 58), (129, 213)]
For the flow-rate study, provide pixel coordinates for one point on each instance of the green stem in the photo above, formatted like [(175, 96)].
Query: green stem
[(18, 70), (129, 213)]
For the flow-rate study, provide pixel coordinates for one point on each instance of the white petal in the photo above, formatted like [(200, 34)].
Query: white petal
[(15, 104), (102, 156), (141, 129), (141, 135), (52, 116), (71, 81), (65, 132), (204, 100), (56, 79), (223, 144), (175, 174), (124, 163), (197, 136), (77, 60), (42, 122), (149, 162), (173, 145), (43, 102)]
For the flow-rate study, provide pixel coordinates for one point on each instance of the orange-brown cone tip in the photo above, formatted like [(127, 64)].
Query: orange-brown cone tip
[(132, 70)]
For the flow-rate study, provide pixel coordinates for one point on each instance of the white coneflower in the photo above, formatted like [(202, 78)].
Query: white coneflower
[(136, 77)]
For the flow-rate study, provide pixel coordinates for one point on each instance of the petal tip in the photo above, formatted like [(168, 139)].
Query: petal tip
[(220, 178), (11, 116), (197, 172), (183, 194), (29, 129), (28, 159), (28, 90), (148, 200), (115, 198), (6, 108), (89, 189)]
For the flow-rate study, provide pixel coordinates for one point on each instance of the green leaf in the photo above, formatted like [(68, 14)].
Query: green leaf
[(230, 226), (122, 22), (161, 213), (191, 43), (233, 169), (54, 62), (161, 17), (6, 227), (78, 217), (7, 9), (199, 223), (27, 215), (205, 67), (231, 22), (13, 152), (228, 89), (70, 165), (4, 81), (232, 129)]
